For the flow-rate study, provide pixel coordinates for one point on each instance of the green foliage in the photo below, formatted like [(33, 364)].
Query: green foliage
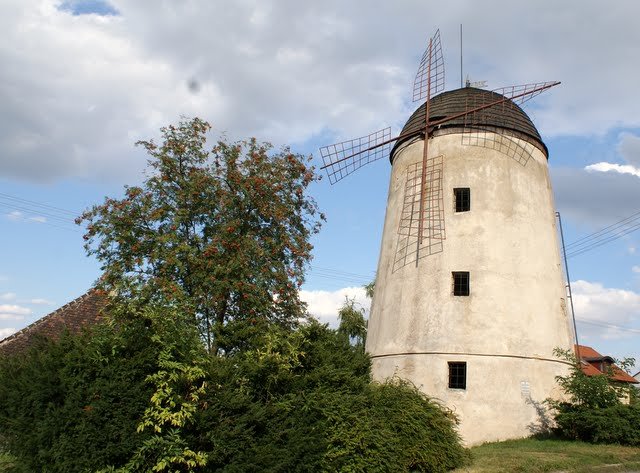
[(179, 383), (223, 232), (74, 405), (306, 403), (297, 400), (212, 247), (614, 424), (369, 288), (594, 411), (352, 323), (590, 391)]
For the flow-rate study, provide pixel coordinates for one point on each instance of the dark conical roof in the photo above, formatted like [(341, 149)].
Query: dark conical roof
[(508, 117)]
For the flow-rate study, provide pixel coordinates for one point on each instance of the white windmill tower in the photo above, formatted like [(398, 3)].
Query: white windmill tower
[(472, 316)]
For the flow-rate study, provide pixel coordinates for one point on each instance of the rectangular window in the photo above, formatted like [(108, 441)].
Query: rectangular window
[(457, 375), (462, 197), (460, 283)]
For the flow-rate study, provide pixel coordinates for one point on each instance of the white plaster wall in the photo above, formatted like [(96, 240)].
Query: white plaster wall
[(516, 313), (504, 398)]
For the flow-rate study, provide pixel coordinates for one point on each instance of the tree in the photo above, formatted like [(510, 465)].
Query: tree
[(593, 410), (352, 323), (592, 391), (222, 233)]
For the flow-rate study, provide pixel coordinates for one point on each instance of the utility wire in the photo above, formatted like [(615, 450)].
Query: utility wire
[(606, 325), (38, 204), (605, 235), (603, 241)]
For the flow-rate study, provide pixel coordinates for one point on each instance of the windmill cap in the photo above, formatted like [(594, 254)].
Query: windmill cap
[(508, 117)]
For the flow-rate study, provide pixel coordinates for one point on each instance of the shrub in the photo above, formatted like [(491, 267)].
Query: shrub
[(616, 424), (73, 405), (304, 402), (594, 411), (297, 400)]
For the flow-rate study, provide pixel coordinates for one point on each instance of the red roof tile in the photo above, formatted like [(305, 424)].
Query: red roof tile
[(82, 312), (588, 354)]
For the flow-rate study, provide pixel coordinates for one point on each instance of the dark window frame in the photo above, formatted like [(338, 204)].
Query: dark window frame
[(461, 199), (461, 283), (457, 374)]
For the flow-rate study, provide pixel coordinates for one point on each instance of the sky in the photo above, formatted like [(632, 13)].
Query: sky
[(82, 81)]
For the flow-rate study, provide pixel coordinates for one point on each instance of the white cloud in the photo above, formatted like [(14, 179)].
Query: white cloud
[(7, 296), (15, 215), (8, 316), (324, 305), (619, 168), (41, 302), (635, 269), (261, 70), (14, 309), (602, 308), (5, 332)]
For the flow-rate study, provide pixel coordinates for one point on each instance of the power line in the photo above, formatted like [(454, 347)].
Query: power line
[(38, 204), (606, 325), (604, 235), (612, 226)]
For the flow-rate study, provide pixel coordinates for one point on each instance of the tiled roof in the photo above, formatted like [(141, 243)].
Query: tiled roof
[(590, 357), (81, 312)]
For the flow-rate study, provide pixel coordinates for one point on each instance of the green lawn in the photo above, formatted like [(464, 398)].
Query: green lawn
[(532, 456)]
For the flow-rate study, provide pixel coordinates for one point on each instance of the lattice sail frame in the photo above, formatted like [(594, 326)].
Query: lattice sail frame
[(510, 143), (421, 235), (430, 76), (341, 159)]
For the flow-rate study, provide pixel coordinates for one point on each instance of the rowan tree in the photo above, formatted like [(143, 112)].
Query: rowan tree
[(222, 232)]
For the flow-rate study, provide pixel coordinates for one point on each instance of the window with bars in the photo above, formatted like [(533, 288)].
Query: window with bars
[(458, 375), (460, 283), (462, 198)]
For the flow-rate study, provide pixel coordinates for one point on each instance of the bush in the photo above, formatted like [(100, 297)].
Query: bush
[(594, 411), (74, 405), (304, 402), (298, 400), (616, 424)]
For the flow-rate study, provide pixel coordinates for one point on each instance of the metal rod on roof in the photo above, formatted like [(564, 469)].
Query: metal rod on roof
[(566, 269), (461, 55)]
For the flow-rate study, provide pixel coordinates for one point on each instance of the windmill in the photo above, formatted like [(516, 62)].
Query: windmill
[(475, 327), (422, 226)]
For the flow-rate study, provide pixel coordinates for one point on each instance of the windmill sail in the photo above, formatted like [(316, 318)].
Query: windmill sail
[(430, 76), (488, 122), (341, 159), (421, 235)]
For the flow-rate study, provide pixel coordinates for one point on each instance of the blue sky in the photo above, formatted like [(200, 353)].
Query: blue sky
[(81, 81)]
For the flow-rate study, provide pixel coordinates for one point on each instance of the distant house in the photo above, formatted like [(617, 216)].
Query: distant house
[(593, 364), (82, 312)]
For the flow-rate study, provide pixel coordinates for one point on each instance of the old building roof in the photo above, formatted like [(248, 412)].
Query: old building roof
[(508, 116), (593, 364), (81, 312)]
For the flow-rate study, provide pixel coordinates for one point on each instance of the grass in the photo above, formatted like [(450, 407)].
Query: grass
[(533, 456)]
